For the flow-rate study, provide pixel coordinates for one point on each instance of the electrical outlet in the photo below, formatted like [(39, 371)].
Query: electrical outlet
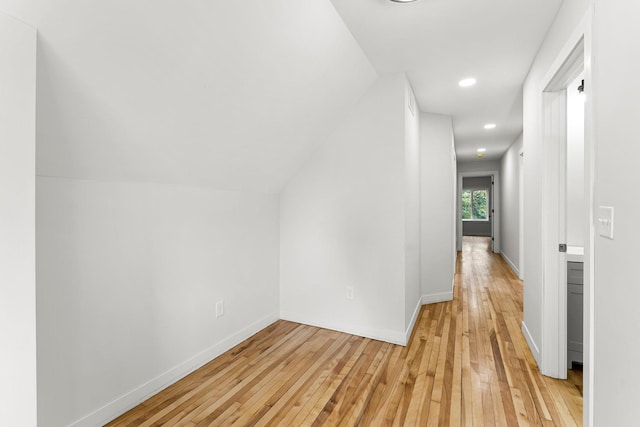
[(219, 308), (350, 292)]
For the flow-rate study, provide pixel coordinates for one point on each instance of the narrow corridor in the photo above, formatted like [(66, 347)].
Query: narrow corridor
[(489, 297)]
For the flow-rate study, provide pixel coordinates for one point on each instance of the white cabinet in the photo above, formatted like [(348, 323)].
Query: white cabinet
[(575, 297)]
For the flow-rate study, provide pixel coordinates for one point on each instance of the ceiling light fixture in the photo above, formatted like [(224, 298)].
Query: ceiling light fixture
[(490, 126), (481, 150), (402, 1), (464, 82)]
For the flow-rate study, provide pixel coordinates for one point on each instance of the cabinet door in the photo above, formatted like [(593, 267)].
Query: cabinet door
[(575, 273), (574, 323)]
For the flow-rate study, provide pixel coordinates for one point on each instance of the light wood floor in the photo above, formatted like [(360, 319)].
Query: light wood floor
[(467, 364)]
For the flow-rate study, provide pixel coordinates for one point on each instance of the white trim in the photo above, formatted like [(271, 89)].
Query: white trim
[(567, 65), (122, 404), (582, 34), (511, 263), (551, 80), (436, 298), (412, 323), (589, 249), (521, 212), (531, 342), (554, 286), (496, 206), (393, 337)]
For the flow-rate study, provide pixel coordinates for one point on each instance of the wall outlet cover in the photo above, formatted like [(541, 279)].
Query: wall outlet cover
[(219, 308), (350, 292)]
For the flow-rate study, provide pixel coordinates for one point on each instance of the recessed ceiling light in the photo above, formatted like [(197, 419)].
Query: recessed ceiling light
[(402, 1), (490, 126), (465, 82), (481, 150)]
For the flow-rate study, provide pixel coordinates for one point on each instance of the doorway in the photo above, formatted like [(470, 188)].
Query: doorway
[(558, 96), (476, 207), (572, 64), (478, 202)]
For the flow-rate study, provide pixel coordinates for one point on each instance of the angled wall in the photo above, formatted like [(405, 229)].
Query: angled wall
[(344, 224), (161, 147)]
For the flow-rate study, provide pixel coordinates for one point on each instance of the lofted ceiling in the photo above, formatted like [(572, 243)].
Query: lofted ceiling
[(230, 95), (237, 95), (437, 43)]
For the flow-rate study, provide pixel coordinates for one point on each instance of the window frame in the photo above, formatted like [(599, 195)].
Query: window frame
[(473, 190)]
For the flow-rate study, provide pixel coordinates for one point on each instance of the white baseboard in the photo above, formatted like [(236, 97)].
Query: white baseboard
[(511, 264), (131, 399), (435, 298), (413, 321), (531, 342), (393, 337)]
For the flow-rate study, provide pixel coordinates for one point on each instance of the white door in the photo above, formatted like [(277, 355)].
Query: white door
[(554, 337)]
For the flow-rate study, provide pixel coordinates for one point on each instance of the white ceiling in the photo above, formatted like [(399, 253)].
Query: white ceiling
[(238, 94), (439, 42), (233, 95)]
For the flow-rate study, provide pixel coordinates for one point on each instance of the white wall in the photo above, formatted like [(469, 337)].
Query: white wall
[(576, 203), (479, 165), (412, 209), (163, 91), (17, 223), (343, 223), (156, 93), (615, 93), (438, 212), (128, 278), (510, 205), (570, 14)]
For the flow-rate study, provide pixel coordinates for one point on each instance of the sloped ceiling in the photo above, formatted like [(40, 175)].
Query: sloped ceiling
[(229, 94), (237, 94), (439, 42)]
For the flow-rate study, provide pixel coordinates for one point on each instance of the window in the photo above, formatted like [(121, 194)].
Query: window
[(475, 205)]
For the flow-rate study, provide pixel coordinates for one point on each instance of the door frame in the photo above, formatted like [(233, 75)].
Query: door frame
[(575, 56), (521, 213), (495, 191)]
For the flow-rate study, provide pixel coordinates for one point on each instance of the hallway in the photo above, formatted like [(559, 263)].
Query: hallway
[(489, 292), (466, 364)]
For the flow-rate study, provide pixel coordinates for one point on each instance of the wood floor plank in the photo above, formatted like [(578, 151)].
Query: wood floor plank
[(466, 364)]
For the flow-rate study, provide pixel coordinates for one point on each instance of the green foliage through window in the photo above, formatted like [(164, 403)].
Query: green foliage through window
[(475, 204)]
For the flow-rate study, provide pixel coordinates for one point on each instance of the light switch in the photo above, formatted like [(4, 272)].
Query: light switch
[(605, 222)]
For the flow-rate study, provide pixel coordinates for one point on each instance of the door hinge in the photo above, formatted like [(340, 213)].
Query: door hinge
[(562, 247)]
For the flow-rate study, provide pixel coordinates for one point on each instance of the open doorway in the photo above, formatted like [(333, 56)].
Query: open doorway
[(563, 201), (567, 206), (477, 207)]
